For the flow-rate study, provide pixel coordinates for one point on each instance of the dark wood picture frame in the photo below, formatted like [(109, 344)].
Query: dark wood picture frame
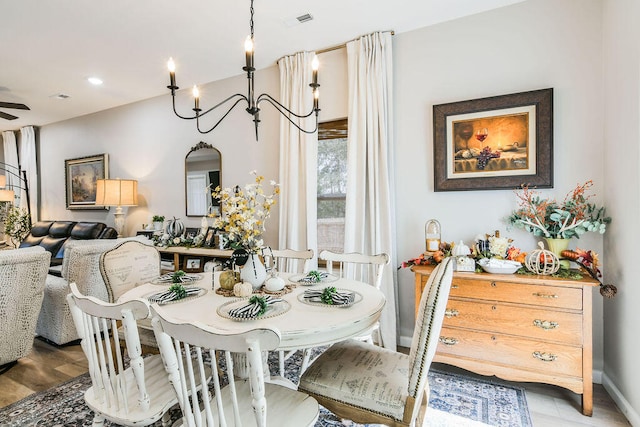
[(80, 176), (527, 160), (209, 239), (191, 232), (193, 264)]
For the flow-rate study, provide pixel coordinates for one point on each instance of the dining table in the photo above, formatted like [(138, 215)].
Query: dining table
[(302, 323)]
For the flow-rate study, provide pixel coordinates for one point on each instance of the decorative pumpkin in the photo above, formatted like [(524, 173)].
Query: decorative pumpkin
[(228, 279), (274, 283), (175, 227), (542, 261), (461, 250), (242, 289)]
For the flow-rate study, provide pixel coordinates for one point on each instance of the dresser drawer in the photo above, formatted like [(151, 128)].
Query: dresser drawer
[(495, 290), (529, 322), (497, 349)]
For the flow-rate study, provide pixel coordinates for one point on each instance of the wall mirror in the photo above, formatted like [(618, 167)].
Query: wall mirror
[(203, 169)]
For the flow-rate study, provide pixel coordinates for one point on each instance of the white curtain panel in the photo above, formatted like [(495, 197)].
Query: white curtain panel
[(29, 164), (10, 147), (370, 217), (298, 158)]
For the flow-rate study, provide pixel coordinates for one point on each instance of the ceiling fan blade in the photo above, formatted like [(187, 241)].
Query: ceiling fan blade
[(7, 116), (13, 105)]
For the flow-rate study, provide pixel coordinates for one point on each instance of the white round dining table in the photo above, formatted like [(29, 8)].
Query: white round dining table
[(304, 325)]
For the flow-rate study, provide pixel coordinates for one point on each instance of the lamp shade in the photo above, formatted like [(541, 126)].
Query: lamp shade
[(116, 192), (3, 181), (7, 195)]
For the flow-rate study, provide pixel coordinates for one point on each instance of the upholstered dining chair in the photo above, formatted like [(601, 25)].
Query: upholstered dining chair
[(239, 402), (289, 261), (23, 273), (125, 266), (365, 268), (370, 384), (136, 393)]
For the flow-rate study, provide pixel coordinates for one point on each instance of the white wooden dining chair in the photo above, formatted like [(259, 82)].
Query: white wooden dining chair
[(361, 267), (374, 385), (136, 393), (232, 401), (125, 266), (289, 261)]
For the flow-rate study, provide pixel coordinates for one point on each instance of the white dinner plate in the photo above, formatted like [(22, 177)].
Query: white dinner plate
[(316, 301), (297, 279), (273, 310)]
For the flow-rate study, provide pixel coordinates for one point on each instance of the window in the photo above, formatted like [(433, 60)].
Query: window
[(332, 184)]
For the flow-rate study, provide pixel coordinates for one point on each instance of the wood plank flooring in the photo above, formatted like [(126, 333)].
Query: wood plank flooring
[(550, 406)]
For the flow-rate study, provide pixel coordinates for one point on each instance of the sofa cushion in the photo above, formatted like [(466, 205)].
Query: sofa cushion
[(38, 231), (87, 230), (61, 228), (52, 244)]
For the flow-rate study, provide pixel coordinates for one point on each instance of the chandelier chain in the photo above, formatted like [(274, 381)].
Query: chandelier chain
[(251, 20)]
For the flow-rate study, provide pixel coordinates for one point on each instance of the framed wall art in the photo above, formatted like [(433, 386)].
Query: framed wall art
[(192, 264), (80, 180), (493, 143)]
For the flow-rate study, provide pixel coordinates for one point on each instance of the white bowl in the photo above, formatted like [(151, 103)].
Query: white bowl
[(499, 266)]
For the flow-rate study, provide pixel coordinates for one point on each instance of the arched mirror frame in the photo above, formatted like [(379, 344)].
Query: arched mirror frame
[(211, 204)]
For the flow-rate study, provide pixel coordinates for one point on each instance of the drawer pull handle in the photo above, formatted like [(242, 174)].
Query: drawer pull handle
[(546, 324), (493, 284), (449, 313), (538, 294), (545, 357), (454, 286), (448, 340)]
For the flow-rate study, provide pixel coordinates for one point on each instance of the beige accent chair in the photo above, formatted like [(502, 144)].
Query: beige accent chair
[(80, 265), (370, 384), (242, 402), (135, 395), (23, 273)]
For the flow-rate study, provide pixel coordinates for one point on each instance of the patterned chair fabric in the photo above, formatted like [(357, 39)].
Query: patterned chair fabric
[(80, 265), (23, 273), (369, 384)]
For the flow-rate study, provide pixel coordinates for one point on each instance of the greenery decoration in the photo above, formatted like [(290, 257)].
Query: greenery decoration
[(327, 294), (261, 301), (17, 224), (179, 290), (551, 219), (157, 218)]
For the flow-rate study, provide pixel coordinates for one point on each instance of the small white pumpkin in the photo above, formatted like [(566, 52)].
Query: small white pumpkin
[(243, 289), (461, 250), (274, 284)]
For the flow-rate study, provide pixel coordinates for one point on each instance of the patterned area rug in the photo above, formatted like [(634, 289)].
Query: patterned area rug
[(455, 401)]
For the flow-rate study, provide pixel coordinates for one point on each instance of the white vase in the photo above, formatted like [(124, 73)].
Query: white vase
[(254, 271)]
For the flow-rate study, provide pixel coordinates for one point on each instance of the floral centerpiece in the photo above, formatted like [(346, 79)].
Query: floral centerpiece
[(548, 218), (243, 213)]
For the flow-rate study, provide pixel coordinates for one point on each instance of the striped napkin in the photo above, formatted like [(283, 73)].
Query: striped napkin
[(168, 296), (330, 296), (313, 278), (256, 307)]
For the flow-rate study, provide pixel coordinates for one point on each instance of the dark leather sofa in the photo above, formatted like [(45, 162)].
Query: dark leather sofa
[(53, 235)]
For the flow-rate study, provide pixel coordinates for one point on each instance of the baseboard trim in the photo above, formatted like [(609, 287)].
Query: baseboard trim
[(625, 407)]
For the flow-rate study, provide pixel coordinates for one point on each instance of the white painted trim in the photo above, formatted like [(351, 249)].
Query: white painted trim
[(623, 404)]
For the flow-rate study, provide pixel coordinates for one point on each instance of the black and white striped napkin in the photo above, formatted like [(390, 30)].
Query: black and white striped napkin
[(168, 296), (337, 297), (311, 278), (253, 309)]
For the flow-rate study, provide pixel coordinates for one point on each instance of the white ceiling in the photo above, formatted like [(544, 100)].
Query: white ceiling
[(52, 47)]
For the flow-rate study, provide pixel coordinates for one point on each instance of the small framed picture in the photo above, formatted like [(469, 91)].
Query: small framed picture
[(210, 237), (80, 180), (192, 264), (191, 233)]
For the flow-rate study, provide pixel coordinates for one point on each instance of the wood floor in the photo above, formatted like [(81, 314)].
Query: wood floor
[(550, 406)]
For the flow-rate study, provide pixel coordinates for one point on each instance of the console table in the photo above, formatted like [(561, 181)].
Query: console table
[(182, 254), (519, 328)]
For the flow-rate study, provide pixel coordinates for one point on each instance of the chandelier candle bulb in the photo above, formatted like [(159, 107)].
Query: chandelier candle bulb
[(172, 73), (248, 51), (196, 97)]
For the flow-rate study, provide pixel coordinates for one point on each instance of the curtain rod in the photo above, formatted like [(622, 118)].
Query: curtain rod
[(340, 46)]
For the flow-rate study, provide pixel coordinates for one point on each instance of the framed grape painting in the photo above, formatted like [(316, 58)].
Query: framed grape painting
[(500, 142)]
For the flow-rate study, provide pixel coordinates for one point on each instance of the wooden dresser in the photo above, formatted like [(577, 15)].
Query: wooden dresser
[(519, 328)]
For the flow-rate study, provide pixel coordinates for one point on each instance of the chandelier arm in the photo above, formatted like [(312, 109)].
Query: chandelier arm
[(212, 108), (242, 97), (173, 98), (281, 107), (276, 106)]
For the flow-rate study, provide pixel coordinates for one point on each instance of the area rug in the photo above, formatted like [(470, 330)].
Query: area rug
[(455, 401)]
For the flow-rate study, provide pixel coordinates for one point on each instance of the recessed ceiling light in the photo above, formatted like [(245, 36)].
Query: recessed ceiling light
[(95, 81)]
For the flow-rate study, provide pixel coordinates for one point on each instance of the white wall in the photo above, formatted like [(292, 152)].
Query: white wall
[(145, 141), (527, 46), (621, 160)]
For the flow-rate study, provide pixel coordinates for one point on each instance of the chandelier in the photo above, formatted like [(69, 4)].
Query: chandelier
[(253, 103)]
